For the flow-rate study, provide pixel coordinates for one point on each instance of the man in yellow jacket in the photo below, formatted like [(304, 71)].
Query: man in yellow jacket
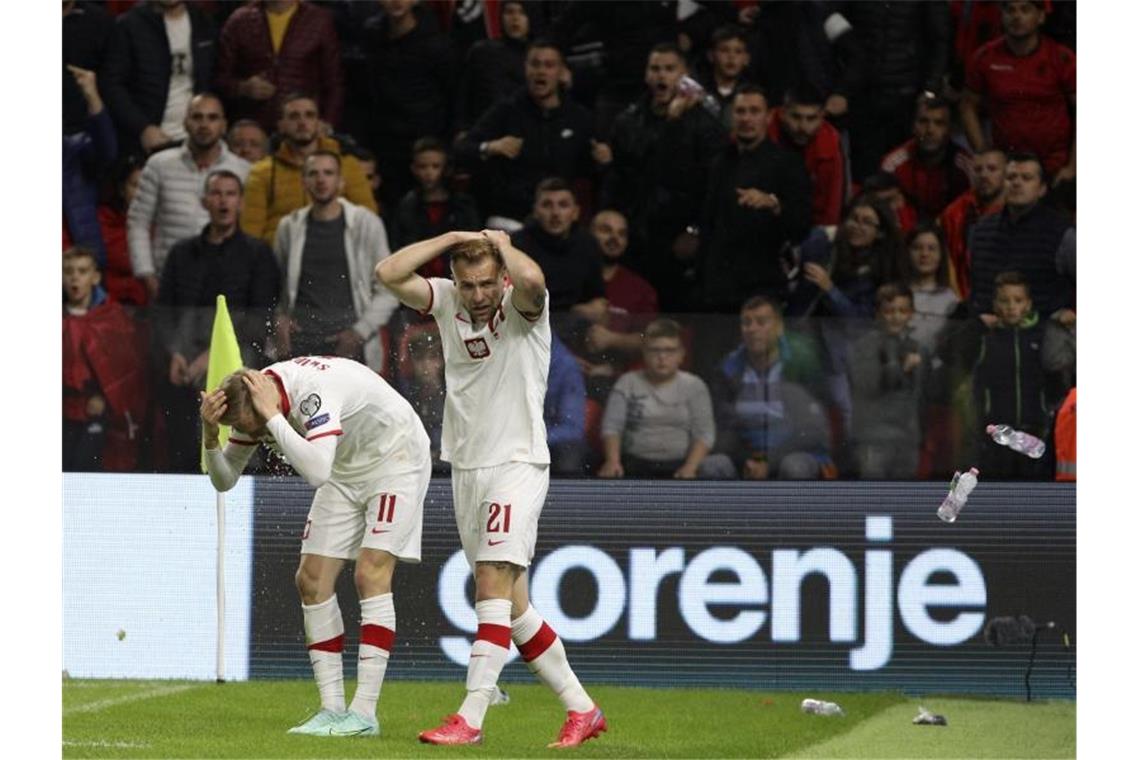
[(275, 186)]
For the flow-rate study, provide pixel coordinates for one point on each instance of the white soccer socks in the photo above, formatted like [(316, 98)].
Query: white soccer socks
[(377, 634), (324, 636), (488, 656), (545, 656)]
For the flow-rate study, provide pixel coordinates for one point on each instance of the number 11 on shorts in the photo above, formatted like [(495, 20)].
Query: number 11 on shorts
[(386, 511)]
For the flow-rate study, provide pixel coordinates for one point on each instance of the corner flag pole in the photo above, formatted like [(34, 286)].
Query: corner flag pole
[(221, 595), (225, 357)]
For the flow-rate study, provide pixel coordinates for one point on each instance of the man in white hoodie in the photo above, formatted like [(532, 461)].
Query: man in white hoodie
[(330, 304)]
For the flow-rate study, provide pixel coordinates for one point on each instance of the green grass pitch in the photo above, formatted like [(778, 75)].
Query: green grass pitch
[(200, 719)]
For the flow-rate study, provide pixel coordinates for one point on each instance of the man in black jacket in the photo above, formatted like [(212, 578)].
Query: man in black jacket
[(222, 260), (662, 145), (570, 258), (411, 80), (535, 133), (1024, 236), (161, 54), (758, 200)]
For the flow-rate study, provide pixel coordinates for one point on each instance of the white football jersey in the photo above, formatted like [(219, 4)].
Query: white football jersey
[(496, 381), (378, 428)]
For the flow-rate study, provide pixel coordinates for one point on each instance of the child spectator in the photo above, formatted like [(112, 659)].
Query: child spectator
[(888, 369), (1009, 382), (104, 373), (431, 208), (929, 281), (728, 63), (659, 420)]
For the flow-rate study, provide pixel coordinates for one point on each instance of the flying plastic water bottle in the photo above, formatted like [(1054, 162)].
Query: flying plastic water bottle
[(960, 488), (819, 707), (1023, 443)]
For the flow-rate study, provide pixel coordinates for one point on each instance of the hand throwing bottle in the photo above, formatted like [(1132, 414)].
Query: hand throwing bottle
[(960, 488)]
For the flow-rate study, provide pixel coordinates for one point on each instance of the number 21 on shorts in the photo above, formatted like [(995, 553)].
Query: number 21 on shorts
[(499, 518)]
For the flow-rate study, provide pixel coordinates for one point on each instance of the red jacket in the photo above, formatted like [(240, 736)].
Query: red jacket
[(103, 353), (929, 188), (826, 166), (308, 61), (956, 221)]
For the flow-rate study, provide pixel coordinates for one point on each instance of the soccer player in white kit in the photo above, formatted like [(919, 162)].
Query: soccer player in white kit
[(354, 438), (496, 350)]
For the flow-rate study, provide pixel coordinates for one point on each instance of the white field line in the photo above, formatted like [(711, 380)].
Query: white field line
[(103, 704), (115, 745)]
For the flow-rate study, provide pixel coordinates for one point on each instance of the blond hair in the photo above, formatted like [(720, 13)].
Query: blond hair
[(239, 401), (474, 251)]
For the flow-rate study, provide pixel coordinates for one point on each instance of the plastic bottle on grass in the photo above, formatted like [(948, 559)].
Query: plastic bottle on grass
[(819, 707), (1023, 443), (960, 488)]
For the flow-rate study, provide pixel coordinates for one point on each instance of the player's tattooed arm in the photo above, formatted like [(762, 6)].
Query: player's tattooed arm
[(529, 295)]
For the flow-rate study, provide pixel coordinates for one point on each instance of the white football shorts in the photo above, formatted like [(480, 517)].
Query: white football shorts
[(386, 514), (497, 510)]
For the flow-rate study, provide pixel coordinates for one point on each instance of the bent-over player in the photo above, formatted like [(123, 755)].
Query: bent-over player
[(354, 438), (496, 349)]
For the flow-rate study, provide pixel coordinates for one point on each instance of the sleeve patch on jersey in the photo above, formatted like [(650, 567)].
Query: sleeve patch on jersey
[(310, 405), (317, 421)]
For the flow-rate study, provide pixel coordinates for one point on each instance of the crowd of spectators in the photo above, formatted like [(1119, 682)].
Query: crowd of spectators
[(793, 240)]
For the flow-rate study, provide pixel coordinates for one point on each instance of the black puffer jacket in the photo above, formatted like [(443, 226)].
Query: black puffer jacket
[(136, 72), (905, 45)]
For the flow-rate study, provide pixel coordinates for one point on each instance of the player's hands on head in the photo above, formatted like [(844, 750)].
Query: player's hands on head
[(463, 236), (263, 394), (501, 239), (212, 408)]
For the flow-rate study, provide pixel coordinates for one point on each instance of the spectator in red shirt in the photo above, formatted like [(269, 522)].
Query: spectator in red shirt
[(799, 125), (1027, 83), (985, 197), (931, 169), (272, 48)]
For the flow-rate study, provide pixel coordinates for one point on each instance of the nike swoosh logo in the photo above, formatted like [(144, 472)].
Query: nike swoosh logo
[(377, 530), (496, 543)]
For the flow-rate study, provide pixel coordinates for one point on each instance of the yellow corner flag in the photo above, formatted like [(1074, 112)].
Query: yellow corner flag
[(225, 357)]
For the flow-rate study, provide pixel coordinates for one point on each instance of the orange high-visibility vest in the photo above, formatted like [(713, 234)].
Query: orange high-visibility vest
[(1065, 438)]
